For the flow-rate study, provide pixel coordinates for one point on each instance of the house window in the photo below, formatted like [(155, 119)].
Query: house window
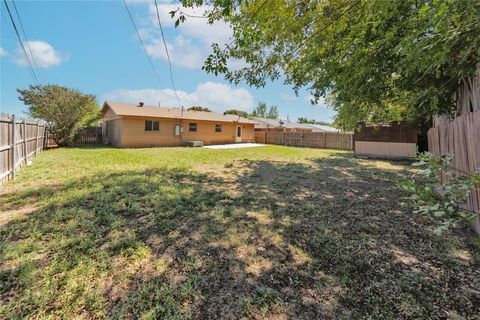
[(218, 127), (152, 125), (192, 127)]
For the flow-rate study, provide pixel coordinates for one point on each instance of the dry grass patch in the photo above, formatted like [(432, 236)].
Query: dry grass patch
[(270, 233)]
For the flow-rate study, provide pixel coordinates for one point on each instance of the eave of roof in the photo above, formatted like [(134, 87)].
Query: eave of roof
[(127, 109)]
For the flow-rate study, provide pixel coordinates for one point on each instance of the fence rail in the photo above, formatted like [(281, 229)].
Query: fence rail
[(20, 141), (89, 136), (460, 137), (326, 140)]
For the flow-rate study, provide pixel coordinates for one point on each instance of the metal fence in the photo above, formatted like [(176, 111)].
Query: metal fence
[(20, 141), (326, 140)]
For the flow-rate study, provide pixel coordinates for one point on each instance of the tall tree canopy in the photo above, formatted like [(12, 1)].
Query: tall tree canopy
[(65, 110), (199, 108), (375, 60), (237, 112), (262, 111)]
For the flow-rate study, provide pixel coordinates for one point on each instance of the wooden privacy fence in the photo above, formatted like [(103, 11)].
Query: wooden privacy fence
[(89, 136), (20, 141), (460, 137), (326, 140)]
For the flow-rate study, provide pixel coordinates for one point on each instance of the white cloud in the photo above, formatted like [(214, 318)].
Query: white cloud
[(193, 39), (288, 97), (194, 27), (2, 52), (213, 95), (44, 55), (182, 52)]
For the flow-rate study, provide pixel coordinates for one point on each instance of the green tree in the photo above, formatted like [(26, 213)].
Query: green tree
[(237, 112), (375, 60), (64, 110), (199, 108), (273, 113), (262, 111)]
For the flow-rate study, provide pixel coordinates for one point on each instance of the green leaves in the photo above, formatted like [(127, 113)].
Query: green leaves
[(438, 192), (377, 60), (261, 111), (65, 110)]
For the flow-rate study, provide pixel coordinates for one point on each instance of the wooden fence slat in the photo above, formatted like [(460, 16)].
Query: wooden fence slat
[(19, 141), (461, 138), (14, 147), (329, 140), (25, 142)]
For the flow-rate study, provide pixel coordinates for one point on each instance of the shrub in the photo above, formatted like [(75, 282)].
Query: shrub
[(438, 190), (65, 110)]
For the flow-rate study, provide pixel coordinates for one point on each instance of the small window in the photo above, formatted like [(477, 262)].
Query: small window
[(152, 125), (192, 127), (218, 127), (148, 125)]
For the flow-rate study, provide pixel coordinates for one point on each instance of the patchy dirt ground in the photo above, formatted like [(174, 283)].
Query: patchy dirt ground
[(312, 237)]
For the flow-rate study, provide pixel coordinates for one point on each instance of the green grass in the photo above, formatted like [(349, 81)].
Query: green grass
[(179, 233)]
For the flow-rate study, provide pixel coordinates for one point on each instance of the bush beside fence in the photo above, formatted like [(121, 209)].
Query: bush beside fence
[(20, 141), (460, 137), (326, 140)]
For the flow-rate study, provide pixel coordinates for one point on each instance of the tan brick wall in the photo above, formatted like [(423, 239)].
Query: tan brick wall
[(133, 133)]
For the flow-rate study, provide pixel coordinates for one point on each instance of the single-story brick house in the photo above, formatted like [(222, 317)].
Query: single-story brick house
[(137, 125)]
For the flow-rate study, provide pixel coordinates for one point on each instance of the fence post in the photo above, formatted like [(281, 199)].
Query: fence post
[(45, 138), (25, 149), (36, 139), (14, 146)]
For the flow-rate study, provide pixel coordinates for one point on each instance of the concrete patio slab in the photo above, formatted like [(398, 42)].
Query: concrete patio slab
[(235, 146)]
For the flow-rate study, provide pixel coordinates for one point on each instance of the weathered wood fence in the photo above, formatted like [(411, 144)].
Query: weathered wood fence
[(89, 136), (460, 137), (326, 140), (20, 141)]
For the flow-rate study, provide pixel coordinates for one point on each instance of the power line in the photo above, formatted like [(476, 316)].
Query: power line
[(168, 55), (24, 34), (34, 76), (143, 44)]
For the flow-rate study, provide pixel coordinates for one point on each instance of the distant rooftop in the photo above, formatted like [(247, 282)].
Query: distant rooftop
[(324, 128), (262, 123)]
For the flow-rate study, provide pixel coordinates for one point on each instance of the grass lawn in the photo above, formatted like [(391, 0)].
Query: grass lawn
[(271, 232)]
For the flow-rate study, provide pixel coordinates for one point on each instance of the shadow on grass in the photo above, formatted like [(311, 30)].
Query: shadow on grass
[(323, 239)]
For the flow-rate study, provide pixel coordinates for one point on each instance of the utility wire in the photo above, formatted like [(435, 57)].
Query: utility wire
[(24, 34), (34, 76), (168, 55), (143, 44)]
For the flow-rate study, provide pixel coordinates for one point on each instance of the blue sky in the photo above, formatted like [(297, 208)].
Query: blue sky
[(92, 46)]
